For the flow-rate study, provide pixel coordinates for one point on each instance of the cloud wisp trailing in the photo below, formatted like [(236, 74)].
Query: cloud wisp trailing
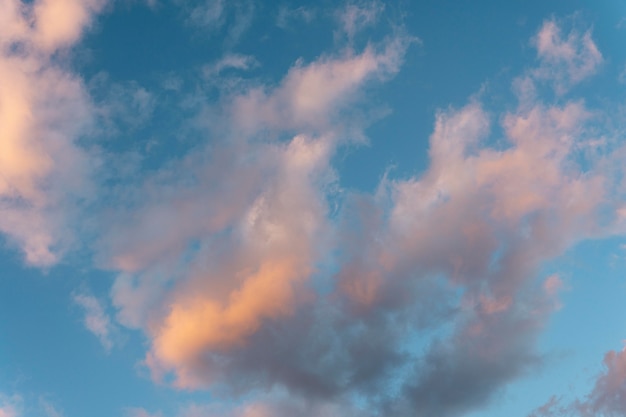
[(96, 319)]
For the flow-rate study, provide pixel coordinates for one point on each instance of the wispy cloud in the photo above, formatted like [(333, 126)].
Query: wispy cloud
[(356, 16), (96, 319), (288, 17), (606, 398), (565, 60), (49, 409)]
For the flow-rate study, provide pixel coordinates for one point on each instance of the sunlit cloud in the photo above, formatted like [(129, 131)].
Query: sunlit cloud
[(247, 267)]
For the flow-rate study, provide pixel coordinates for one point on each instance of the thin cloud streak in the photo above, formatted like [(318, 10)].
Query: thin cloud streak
[(96, 319)]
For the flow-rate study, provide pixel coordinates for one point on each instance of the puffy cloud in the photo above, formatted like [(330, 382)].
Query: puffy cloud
[(275, 256), (96, 320), (234, 241), (422, 299), (44, 109)]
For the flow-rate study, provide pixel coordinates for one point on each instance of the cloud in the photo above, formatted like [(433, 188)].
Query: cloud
[(49, 409), (311, 95), (210, 13), (230, 61), (423, 298), (235, 17), (288, 16), (44, 109), (96, 320), (139, 412), (356, 16), (10, 406), (607, 397), (565, 61)]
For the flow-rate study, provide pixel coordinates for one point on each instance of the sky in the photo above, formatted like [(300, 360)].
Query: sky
[(317, 209)]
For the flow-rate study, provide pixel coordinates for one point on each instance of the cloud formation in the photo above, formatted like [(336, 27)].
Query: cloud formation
[(253, 274), (96, 319), (10, 406), (565, 60), (606, 398), (44, 110), (423, 298)]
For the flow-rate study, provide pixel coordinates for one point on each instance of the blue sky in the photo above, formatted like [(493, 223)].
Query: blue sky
[(364, 208)]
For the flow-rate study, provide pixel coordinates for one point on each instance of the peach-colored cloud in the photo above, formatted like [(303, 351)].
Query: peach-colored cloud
[(234, 269), (277, 256), (43, 110), (59, 23), (271, 214)]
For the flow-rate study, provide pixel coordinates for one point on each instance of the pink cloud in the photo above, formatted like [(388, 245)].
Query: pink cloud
[(43, 111), (565, 60)]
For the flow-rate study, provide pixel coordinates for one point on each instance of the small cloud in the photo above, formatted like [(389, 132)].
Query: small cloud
[(566, 59), (96, 320), (140, 412), (208, 14), (231, 61), (621, 78), (286, 16), (48, 409), (359, 15)]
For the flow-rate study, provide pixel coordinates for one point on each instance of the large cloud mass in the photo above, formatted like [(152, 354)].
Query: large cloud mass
[(252, 273), (422, 299)]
